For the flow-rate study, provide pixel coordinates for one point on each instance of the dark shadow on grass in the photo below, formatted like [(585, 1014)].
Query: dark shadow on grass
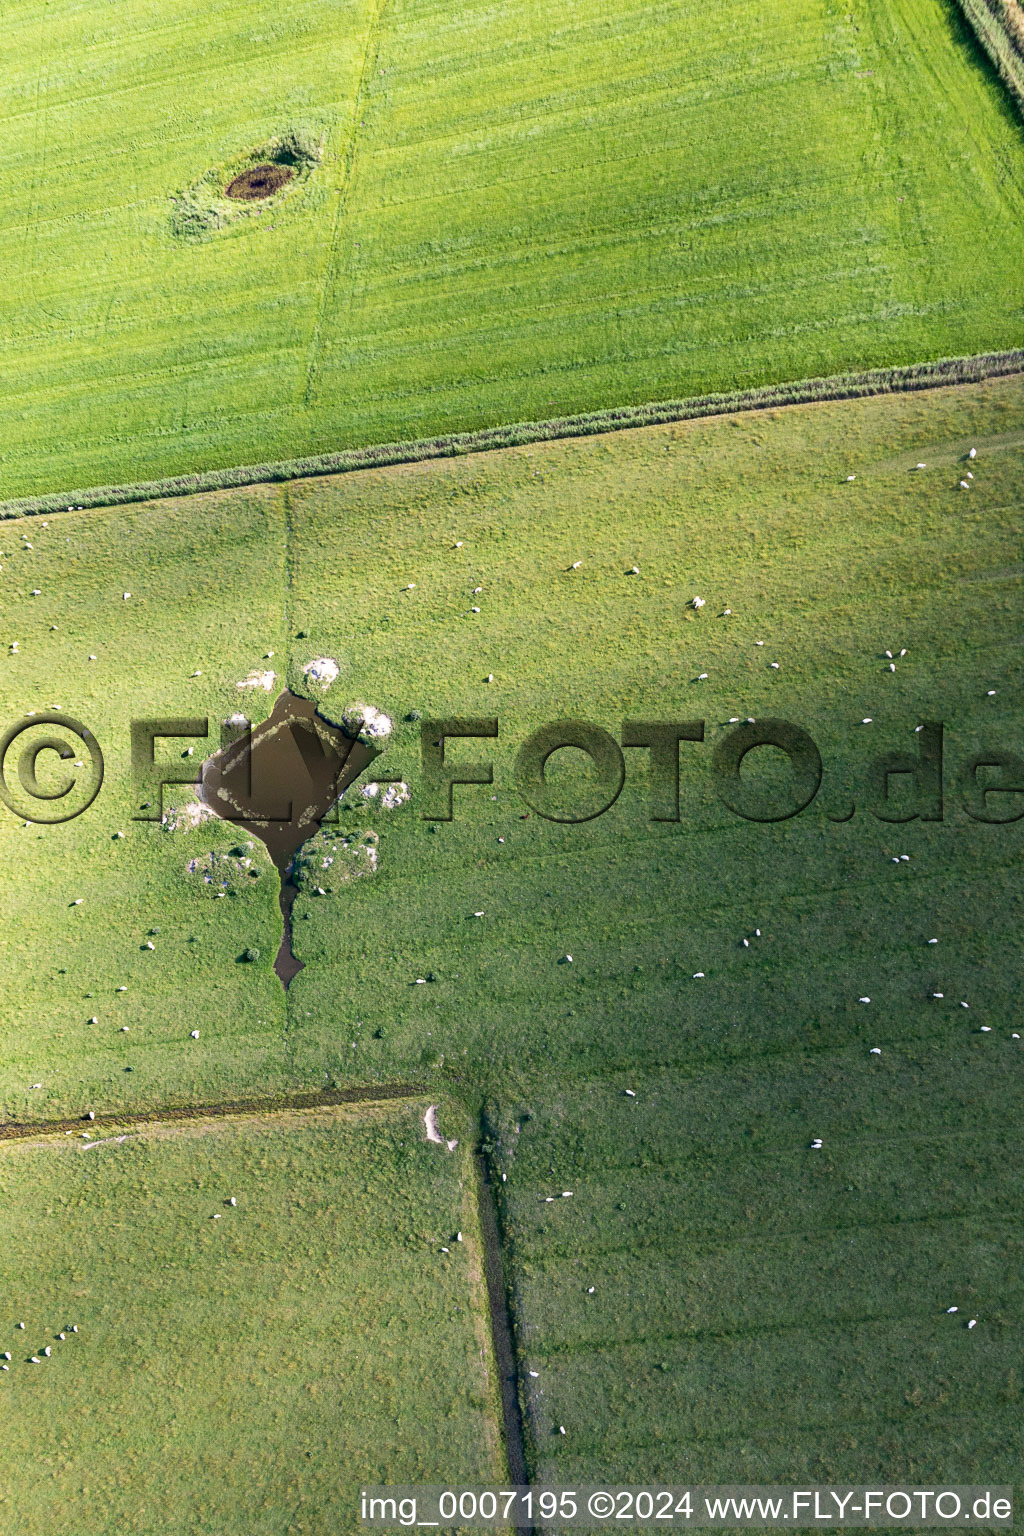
[(1006, 77)]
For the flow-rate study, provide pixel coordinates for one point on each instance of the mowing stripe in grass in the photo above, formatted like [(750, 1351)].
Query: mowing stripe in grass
[(348, 171), (849, 386)]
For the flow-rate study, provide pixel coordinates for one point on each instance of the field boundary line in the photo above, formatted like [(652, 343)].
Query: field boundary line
[(905, 379), (507, 1362), (325, 1098)]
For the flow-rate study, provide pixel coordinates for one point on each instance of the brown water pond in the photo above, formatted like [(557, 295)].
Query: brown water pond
[(277, 782)]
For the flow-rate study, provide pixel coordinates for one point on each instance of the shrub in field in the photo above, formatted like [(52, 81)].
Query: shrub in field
[(224, 873), (331, 859)]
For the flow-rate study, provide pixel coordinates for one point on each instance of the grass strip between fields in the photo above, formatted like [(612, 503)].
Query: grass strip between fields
[(850, 386)]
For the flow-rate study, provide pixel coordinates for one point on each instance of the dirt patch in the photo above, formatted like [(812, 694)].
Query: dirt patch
[(258, 181)]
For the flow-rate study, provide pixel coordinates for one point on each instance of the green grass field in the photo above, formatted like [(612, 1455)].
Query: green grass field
[(245, 1374), (593, 209), (776, 1311)]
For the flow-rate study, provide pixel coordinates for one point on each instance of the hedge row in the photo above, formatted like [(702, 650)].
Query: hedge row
[(1003, 41), (877, 381)]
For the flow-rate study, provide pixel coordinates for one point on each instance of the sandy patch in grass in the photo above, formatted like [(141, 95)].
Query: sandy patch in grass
[(433, 1134)]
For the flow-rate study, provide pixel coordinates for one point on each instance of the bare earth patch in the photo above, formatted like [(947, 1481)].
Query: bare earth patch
[(257, 182)]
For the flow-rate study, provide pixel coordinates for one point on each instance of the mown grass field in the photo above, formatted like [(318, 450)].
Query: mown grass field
[(716, 1298), (206, 595), (761, 1310), (244, 1374), (592, 209)]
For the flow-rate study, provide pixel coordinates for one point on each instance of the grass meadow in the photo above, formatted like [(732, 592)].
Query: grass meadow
[(205, 596), (245, 1374), (514, 215), (760, 1309), (717, 1296)]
